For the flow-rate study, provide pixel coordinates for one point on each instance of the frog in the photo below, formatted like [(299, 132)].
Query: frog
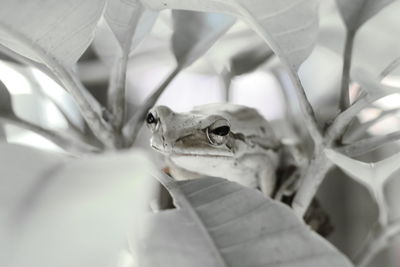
[(223, 140)]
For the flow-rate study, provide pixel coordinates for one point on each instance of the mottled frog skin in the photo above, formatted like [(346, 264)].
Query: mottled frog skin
[(223, 140)]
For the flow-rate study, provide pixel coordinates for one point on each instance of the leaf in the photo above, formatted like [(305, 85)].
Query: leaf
[(6, 108), (195, 32), (122, 20), (61, 29), (289, 27), (372, 175), (221, 223), (356, 12), (63, 211), (248, 60)]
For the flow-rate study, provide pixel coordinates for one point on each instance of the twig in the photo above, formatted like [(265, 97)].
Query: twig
[(361, 129), (344, 89), (381, 241), (64, 142), (131, 129), (368, 144), (89, 107)]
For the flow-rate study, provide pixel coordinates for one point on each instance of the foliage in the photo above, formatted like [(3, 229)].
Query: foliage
[(47, 197)]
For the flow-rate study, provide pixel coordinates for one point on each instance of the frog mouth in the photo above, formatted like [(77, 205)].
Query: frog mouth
[(177, 153)]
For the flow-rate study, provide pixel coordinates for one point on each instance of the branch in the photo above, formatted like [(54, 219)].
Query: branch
[(348, 51), (65, 142), (368, 144), (361, 129), (131, 129), (381, 241)]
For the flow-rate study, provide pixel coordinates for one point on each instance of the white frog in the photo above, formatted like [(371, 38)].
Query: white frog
[(222, 140)]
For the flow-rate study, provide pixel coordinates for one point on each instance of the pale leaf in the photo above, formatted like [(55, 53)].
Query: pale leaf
[(62, 211), (124, 22), (195, 32), (373, 56), (373, 175), (248, 60), (221, 223), (288, 26), (59, 29), (356, 12), (6, 108)]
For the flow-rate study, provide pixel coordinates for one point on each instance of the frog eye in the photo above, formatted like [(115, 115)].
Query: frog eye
[(221, 131), (152, 121), (218, 132)]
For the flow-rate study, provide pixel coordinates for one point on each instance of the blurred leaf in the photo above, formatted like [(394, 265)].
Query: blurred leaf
[(221, 223), (6, 108), (63, 211), (123, 20), (248, 60), (373, 56), (195, 32), (49, 28), (371, 84), (356, 12), (289, 27)]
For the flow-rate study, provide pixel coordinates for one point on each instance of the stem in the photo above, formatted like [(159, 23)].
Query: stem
[(226, 81), (89, 107), (133, 126), (289, 106), (391, 67), (117, 91), (343, 119), (348, 50), (307, 110), (382, 240), (117, 86), (361, 129), (310, 182), (368, 144), (63, 141)]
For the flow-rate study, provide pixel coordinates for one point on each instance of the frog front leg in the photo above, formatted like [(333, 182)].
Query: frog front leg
[(267, 179)]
